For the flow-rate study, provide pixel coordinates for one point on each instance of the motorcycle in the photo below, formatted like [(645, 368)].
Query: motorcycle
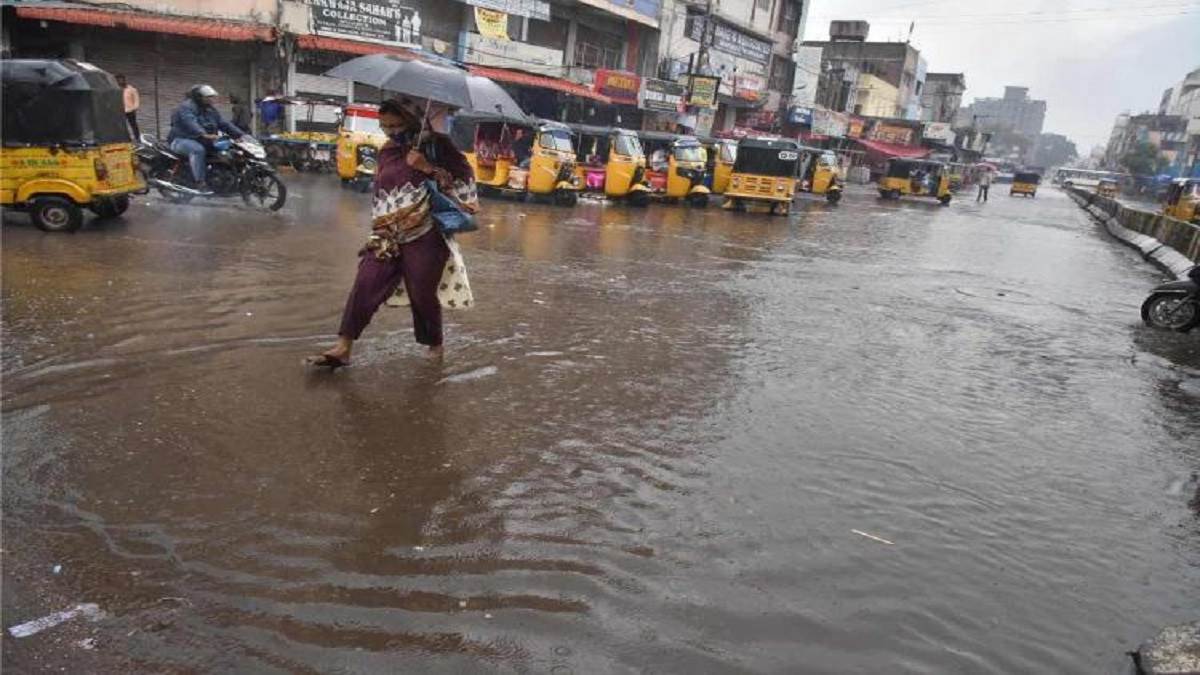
[(1174, 305), (236, 167)]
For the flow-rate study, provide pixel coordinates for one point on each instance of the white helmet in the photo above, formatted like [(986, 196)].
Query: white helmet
[(204, 90)]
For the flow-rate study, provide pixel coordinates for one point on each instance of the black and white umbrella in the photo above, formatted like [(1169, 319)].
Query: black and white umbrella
[(420, 78)]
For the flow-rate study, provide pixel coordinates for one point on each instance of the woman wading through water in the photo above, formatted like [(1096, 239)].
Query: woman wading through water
[(405, 245)]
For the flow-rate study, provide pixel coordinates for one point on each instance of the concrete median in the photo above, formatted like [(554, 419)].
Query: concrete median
[(1171, 244)]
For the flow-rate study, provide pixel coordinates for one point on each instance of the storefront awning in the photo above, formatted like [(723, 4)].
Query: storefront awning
[(894, 149), (348, 46), (530, 80), (151, 23)]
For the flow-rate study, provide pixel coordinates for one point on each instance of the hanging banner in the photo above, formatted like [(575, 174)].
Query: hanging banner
[(491, 23), (704, 91), (534, 9), (749, 87), (939, 132), (386, 21), (618, 85), (662, 96)]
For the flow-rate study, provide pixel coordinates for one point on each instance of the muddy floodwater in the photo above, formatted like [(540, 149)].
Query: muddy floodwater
[(877, 437)]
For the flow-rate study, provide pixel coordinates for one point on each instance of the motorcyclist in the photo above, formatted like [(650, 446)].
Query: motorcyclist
[(194, 125)]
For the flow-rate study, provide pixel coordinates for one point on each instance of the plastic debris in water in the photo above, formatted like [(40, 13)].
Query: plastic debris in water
[(871, 536), (89, 610)]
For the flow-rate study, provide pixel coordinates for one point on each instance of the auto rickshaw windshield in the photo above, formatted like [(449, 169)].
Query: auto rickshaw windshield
[(627, 144), (556, 139), (1025, 177), (689, 153), (362, 123)]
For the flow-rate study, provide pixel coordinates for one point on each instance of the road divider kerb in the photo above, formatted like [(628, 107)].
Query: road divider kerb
[(1133, 227)]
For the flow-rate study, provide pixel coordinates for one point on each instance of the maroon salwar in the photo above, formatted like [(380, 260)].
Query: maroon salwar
[(419, 263)]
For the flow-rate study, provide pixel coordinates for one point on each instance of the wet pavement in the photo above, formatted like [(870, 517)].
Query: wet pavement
[(878, 437)]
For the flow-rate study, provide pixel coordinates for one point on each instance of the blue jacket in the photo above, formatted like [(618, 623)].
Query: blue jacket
[(192, 121)]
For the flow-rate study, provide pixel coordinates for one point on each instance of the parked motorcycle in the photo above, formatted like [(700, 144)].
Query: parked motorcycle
[(1174, 305), (236, 167)]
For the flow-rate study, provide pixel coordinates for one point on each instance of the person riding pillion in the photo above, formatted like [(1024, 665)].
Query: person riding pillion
[(196, 123)]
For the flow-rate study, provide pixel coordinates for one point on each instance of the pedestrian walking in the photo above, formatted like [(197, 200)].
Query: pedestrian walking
[(985, 182), (406, 245), (133, 101)]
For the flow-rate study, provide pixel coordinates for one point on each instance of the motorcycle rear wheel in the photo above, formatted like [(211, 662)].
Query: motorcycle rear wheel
[(1171, 311), (264, 191)]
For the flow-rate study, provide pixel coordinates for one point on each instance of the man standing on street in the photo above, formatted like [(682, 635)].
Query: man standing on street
[(985, 182), (132, 102)]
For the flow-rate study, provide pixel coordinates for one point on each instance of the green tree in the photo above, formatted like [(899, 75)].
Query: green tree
[(1142, 159)]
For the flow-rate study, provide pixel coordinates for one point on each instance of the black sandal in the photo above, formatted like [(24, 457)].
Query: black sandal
[(327, 361)]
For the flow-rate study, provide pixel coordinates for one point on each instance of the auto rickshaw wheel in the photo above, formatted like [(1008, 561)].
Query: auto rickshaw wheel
[(698, 201), (944, 200), (111, 208), (833, 196), (639, 199), (56, 214)]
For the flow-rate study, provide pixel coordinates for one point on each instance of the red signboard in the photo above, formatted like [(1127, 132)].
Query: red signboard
[(619, 85)]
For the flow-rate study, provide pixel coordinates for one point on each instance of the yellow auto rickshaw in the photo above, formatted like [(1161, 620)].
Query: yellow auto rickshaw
[(531, 157), (1025, 183), (66, 144), (488, 143), (612, 162), (1183, 200), (359, 141), (764, 174), (820, 173), (1107, 188), (675, 168), (916, 178)]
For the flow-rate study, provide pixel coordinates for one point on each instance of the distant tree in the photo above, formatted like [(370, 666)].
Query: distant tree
[(1054, 150), (1143, 159)]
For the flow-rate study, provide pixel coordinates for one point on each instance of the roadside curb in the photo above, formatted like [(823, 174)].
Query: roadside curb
[(1153, 250)]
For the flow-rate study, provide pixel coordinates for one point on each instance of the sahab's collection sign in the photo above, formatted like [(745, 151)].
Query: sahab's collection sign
[(387, 21)]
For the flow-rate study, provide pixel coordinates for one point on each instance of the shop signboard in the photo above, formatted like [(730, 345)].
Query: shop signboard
[(534, 9), (829, 123), (662, 96), (749, 87), (486, 51), (491, 23), (730, 40), (892, 133), (855, 127), (939, 132), (385, 21), (801, 115), (704, 91), (618, 85)]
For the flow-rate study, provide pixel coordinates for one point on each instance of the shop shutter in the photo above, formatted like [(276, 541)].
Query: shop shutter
[(182, 62)]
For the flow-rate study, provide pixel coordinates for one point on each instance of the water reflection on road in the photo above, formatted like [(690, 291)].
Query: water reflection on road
[(649, 448)]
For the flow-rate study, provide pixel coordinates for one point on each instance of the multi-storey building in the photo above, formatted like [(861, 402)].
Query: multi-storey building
[(847, 58)]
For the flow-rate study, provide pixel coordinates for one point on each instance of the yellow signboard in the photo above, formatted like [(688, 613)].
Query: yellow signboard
[(491, 23)]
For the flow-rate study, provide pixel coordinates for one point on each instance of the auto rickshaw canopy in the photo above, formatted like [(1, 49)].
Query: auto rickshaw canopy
[(1027, 177), (60, 102), (903, 168)]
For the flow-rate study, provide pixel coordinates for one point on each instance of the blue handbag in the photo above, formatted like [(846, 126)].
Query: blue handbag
[(450, 219)]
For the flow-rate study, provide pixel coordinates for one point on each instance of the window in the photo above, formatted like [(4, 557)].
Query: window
[(763, 5), (552, 33), (599, 51)]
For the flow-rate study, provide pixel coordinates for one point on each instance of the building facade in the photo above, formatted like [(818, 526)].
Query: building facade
[(1013, 113), (942, 96), (848, 52)]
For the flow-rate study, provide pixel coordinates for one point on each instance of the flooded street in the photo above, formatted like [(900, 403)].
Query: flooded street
[(656, 444)]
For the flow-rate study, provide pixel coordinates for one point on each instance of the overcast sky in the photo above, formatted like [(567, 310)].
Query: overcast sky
[(1089, 59)]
